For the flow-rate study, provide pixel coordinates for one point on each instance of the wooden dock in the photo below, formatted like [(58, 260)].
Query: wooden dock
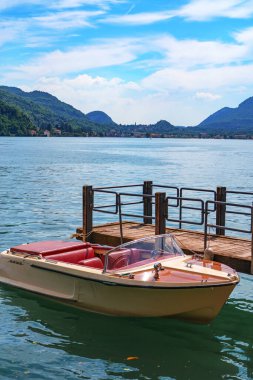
[(234, 252), (153, 213)]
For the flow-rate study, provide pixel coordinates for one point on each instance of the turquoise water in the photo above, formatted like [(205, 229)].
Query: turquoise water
[(40, 190)]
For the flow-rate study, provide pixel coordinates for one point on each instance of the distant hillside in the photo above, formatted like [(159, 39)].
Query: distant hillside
[(38, 113), (230, 120), (46, 112), (99, 117), (45, 100), (13, 121)]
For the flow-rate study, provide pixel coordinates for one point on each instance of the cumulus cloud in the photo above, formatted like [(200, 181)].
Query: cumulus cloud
[(113, 96), (201, 80), (124, 101)]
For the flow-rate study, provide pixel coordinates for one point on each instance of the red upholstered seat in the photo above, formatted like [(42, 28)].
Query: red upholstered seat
[(123, 258), (74, 256), (50, 247), (94, 262), (118, 259)]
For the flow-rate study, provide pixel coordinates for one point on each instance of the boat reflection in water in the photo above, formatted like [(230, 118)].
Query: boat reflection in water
[(67, 343), (150, 277)]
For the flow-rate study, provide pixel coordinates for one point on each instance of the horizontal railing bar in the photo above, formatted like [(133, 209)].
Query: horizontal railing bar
[(104, 206), (239, 213), (132, 203), (197, 189), (171, 205), (137, 195), (230, 204), (239, 192), (228, 228), (104, 191), (187, 199), (193, 208), (107, 212), (165, 187), (184, 221), (138, 216), (117, 187)]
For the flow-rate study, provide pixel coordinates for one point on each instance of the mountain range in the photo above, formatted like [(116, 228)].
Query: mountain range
[(38, 113)]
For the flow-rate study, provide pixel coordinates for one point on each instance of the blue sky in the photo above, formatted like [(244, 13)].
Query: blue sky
[(137, 60)]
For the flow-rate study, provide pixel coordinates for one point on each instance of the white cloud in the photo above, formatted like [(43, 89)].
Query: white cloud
[(190, 53), (89, 93), (138, 18), (200, 80), (64, 20), (125, 102), (115, 97), (5, 4), (207, 96), (10, 31), (244, 36), (171, 53), (80, 59), (79, 3), (60, 4), (202, 10)]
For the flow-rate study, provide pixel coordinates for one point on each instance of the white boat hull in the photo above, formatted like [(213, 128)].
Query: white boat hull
[(97, 292)]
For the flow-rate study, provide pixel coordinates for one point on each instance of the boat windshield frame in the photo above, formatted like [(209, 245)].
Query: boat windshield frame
[(136, 253)]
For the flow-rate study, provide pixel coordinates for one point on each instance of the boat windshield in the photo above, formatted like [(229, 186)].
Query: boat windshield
[(141, 252)]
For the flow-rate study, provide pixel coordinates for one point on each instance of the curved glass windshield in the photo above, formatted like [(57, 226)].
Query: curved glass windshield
[(142, 252)]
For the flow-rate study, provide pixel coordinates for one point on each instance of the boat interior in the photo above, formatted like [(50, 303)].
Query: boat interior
[(90, 255), (145, 254), (74, 253), (149, 255)]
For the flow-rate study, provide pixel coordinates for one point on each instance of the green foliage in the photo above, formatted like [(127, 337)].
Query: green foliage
[(13, 121), (43, 112)]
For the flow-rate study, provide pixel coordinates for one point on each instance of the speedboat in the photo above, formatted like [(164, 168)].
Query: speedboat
[(149, 277)]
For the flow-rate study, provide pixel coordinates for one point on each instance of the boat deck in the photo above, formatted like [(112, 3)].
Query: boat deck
[(234, 252)]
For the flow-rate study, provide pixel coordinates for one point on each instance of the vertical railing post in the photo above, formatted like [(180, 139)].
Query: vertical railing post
[(147, 202), (118, 200), (87, 212), (205, 225), (160, 213), (180, 208), (220, 209), (251, 268)]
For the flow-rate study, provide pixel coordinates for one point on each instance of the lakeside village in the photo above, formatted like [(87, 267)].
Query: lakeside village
[(56, 132)]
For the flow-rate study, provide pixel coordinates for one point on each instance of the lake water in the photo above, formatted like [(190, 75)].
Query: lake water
[(41, 181)]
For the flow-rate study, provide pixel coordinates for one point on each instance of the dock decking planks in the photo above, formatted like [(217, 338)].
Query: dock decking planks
[(231, 251)]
